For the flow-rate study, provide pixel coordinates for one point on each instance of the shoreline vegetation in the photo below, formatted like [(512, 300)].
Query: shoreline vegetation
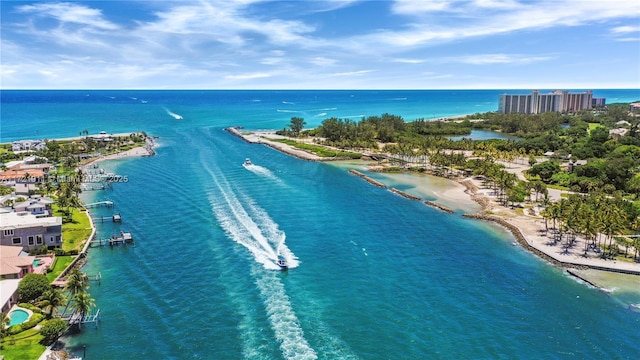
[(528, 228), (78, 232)]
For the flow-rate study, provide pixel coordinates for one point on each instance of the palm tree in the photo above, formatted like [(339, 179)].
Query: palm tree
[(77, 282), (82, 304), (50, 301)]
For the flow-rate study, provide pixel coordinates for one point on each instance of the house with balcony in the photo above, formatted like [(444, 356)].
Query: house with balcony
[(28, 231), (28, 145)]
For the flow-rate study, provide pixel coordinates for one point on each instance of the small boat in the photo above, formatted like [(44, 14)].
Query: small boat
[(247, 162), (282, 262)]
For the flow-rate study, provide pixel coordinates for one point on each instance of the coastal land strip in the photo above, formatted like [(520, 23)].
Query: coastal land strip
[(141, 151), (529, 229)]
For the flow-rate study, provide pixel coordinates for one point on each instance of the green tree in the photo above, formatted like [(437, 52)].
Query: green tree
[(81, 304), (52, 329), (4, 323), (51, 300), (296, 125), (77, 282), (32, 286), (545, 170)]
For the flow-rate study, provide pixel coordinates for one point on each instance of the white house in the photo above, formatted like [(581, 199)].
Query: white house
[(28, 145)]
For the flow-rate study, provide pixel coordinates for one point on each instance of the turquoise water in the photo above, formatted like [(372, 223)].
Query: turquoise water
[(484, 135), (373, 275), (18, 317)]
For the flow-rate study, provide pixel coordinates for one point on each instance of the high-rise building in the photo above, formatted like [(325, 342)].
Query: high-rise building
[(536, 103)]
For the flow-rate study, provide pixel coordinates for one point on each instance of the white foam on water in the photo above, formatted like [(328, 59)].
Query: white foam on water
[(263, 171), (250, 226), (174, 115), (284, 322)]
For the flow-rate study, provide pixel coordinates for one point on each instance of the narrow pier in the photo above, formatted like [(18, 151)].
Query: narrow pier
[(97, 277), (116, 218), (124, 238), (93, 187), (76, 318), (106, 203)]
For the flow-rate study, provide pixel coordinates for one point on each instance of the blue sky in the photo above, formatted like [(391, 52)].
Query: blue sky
[(338, 44)]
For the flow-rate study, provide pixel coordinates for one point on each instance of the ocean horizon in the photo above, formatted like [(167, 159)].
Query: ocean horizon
[(373, 275)]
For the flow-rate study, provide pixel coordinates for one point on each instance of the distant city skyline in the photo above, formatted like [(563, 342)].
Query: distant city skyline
[(337, 44)]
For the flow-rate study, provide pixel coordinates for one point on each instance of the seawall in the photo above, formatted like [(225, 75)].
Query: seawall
[(367, 179)]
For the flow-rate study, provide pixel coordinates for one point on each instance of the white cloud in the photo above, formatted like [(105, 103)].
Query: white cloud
[(443, 20), (625, 29), (408, 61), (484, 59), (352, 73), (70, 13), (322, 61), (247, 76)]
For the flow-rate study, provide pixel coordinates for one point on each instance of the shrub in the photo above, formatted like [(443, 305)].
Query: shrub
[(31, 307), (52, 330), (32, 286), (33, 321)]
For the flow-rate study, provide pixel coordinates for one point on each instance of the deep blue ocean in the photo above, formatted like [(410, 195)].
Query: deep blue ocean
[(374, 275)]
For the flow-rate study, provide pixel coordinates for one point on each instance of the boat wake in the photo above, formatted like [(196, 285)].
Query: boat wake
[(263, 171), (283, 319), (250, 226), (174, 115)]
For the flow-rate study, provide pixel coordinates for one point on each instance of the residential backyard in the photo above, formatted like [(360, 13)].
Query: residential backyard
[(23, 346), (75, 232), (59, 264)]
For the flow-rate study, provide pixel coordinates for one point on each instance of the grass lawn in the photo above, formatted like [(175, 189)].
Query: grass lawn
[(593, 126), (60, 263), (76, 232), (27, 346), (319, 150)]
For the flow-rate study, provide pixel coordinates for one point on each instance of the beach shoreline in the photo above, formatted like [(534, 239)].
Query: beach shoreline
[(141, 151), (529, 229)]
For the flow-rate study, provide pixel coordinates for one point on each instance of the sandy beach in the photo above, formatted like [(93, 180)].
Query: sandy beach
[(140, 151), (528, 227), (259, 137)]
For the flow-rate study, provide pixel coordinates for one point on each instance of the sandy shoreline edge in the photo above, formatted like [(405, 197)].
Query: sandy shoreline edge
[(528, 229)]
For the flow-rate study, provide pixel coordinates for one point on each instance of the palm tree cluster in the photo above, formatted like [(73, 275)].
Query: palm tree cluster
[(78, 286), (76, 296), (599, 219)]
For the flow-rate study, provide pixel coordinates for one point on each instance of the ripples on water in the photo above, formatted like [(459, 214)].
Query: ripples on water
[(377, 276)]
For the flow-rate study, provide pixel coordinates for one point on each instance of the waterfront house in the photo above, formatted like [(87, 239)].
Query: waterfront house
[(14, 262), (28, 231), (39, 206), (8, 294), (28, 145)]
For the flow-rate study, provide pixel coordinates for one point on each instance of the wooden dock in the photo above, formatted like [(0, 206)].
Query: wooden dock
[(116, 218), (123, 239), (106, 203), (77, 318)]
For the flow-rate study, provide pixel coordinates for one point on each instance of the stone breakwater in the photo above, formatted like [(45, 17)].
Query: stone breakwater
[(523, 241), (367, 179), (404, 194), (438, 206)]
